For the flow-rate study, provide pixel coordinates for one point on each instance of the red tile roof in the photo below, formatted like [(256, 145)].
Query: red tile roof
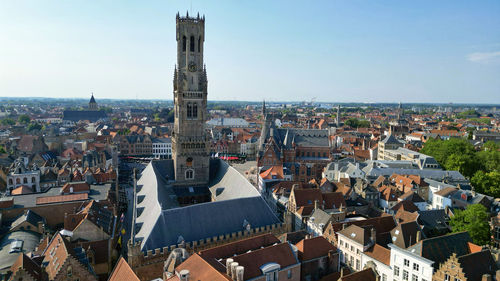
[(123, 272), (75, 187), (61, 198), (314, 248), (379, 253)]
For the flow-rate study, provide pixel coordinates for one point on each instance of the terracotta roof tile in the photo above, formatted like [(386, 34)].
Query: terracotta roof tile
[(314, 248), (123, 272), (379, 253), (61, 198)]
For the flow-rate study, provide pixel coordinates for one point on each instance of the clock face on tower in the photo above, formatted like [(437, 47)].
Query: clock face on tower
[(192, 67)]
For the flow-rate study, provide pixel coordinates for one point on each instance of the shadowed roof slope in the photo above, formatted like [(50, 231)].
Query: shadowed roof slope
[(206, 220), (438, 249)]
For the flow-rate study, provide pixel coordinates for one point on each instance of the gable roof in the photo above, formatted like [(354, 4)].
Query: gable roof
[(476, 264), (439, 249), (281, 254), (24, 262), (381, 224), (213, 255), (123, 272), (314, 248), (379, 253), (405, 234), (275, 172), (199, 269), (204, 220), (363, 275), (360, 234)]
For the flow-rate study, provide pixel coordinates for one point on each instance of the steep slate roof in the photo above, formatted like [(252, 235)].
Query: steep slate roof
[(205, 220), (301, 137), (476, 264), (405, 234), (123, 272), (433, 218), (439, 249), (320, 217), (29, 216), (314, 248), (77, 115)]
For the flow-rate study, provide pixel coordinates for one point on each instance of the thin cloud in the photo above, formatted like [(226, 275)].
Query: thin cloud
[(486, 57)]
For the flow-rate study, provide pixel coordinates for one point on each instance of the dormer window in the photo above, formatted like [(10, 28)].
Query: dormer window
[(270, 270)]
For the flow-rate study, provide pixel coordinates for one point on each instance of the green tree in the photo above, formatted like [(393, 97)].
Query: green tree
[(475, 220), (489, 157), (487, 183), (24, 119), (2, 150), (34, 127), (8, 122), (454, 154)]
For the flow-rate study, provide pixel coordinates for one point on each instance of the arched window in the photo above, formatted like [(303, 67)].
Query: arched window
[(191, 44), (25, 180), (189, 174), (199, 44), (189, 110), (11, 182), (33, 179), (183, 43), (195, 110)]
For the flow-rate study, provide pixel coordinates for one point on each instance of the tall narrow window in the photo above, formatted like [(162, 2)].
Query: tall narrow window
[(191, 44), (183, 43), (199, 44), (195, 110), (189, 110)]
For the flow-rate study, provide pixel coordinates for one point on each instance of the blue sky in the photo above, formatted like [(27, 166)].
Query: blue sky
[(335, 51)]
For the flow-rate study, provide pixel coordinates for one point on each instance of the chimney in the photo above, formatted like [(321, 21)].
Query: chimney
[(240, 271), (233, 270), (373, 234), (228, 266), (315, 204), (344, 225), (184, 275), (486, 277), (419, 236)]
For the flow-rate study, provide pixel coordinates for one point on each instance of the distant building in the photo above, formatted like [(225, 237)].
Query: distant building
[(92, 114), (162, 148), (20, 175)]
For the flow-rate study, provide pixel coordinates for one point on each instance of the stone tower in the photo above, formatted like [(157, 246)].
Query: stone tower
[(190, 141), (92, 103)]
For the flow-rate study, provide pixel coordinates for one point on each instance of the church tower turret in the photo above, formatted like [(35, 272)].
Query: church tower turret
[(190, 141), (92, 103)]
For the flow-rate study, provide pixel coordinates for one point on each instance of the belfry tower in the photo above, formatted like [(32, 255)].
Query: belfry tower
[(190, 141)]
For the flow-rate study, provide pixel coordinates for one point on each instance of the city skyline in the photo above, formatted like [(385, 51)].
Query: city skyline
[(356, 51)]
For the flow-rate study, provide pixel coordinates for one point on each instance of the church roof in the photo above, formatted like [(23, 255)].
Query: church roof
[(77, 115), (206, 220)]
